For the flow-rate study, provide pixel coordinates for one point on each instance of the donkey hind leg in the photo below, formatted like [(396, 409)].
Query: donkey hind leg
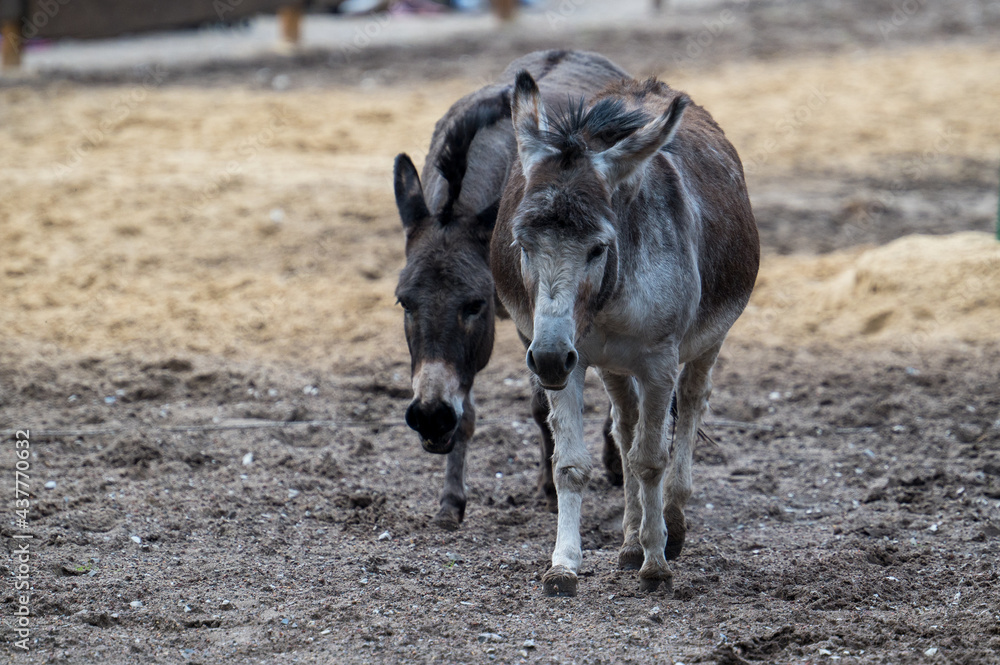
[(624, 416), (571, 470), (647, 460), (612, 457), (452, 510), (546, 492), (694, 389)]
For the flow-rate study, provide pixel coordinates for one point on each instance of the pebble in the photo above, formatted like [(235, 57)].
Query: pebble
[(136, 604), (490, 637), (293, 493), (248, 459), (51, 485), (930, 652), (385, 535), (528, 644), (968, 432), (136, 539), (227, 605)]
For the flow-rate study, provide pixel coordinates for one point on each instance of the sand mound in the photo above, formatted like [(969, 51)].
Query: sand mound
[(909, 293)]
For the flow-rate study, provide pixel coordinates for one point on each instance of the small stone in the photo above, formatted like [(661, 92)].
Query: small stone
[(135, 604), (930, 652), (227, 605), (136, 539), (248, 459), (326, 631), (968, 432), (932, 527), (825, 652), (51, 485), (293, 493), (528, 644), (489, 637), (385, 535)]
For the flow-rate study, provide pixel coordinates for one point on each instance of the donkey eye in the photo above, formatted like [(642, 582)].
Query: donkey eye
[(406, 305), (473, 309), (596, 252)]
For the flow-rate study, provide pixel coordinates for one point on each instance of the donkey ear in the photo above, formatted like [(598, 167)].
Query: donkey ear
[(629, 155), (528, 116), (409, 194)]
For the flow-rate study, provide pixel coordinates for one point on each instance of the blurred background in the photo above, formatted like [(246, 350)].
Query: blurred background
[(224, 185)]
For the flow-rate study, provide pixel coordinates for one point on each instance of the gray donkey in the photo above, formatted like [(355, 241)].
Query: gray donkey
[(446, 289), (625, 242)]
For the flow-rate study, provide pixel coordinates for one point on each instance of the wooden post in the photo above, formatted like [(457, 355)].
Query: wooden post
[(504, 9), (11, 57), (290, 17)]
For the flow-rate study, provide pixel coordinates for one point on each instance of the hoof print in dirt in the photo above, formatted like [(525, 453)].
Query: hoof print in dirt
[(559, 581)]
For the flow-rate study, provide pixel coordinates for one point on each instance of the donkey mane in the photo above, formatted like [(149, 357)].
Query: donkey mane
[(453, 159), (606, 122)]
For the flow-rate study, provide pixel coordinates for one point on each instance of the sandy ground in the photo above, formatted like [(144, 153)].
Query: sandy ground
[(198, 326)]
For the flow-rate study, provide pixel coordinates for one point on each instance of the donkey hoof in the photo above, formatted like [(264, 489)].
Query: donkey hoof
[(448, 519), (651, 584), (676, 530), (630, 557), (559, 581)]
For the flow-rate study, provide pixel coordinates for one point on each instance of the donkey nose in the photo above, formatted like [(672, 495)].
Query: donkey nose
[(433, 422), (552, 366)]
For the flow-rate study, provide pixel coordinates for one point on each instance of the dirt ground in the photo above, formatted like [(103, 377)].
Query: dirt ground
[(199, 331)]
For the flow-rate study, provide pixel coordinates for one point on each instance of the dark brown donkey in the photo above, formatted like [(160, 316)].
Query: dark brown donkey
[(446, 289), (624, 242)]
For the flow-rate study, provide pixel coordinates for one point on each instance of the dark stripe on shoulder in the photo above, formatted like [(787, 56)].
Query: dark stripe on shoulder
[(453, 159), (552, 60)]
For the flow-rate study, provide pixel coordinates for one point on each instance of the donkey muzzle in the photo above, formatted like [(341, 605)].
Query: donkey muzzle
[(436, 409), (552, 363), (435, 423)]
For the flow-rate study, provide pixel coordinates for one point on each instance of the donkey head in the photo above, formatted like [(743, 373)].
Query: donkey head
[(446, 292), (565, 224)]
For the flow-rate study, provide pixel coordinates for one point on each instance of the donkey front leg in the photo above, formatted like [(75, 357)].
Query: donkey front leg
[(546, 493), (624, 416), (571, 470), (612, 457), (694, 389), (647, 460), (452, 510)]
